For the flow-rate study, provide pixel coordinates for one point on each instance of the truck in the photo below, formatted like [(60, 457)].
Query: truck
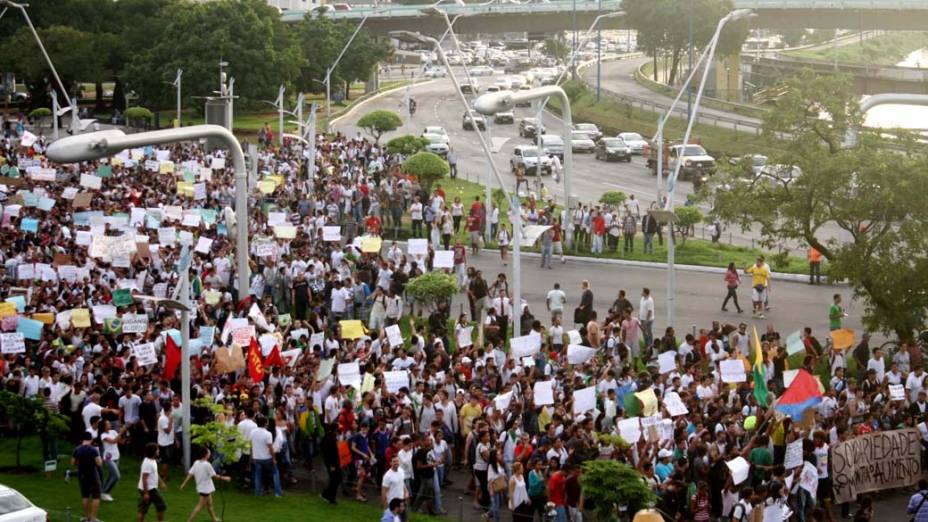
[(697, 164)]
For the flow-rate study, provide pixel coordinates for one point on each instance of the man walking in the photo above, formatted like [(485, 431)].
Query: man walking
[(815, 266), (453, 162), (629, 227), (649, 228), (646, 316), (547, 248), (555, 301), (148, 484), (87, 459)]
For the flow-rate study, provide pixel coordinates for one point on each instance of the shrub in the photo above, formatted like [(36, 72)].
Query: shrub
[(380, 121), (41, 112), (611, 484), (685, 218), (428, 167), (432, 288), (406, 145), (138, 116), (613, 198)]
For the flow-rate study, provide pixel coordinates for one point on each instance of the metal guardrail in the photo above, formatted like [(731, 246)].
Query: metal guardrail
[(886, 72), (832, 4)]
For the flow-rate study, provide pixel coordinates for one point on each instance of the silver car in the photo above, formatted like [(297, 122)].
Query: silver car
[(581, 142)]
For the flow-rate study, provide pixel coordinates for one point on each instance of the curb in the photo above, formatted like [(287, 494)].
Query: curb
[(779, 276), (380, 94)]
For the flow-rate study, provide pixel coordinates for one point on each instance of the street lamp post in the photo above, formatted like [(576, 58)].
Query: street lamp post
[(517, 229), (850, 138), (75, 121), (672, 179), (177, 81), (328, 75)]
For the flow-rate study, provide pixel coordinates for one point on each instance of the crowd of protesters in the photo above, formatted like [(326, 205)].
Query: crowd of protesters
[(269, 356)]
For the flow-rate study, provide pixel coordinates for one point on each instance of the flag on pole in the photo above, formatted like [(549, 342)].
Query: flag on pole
[(171, 358), (274, 358), (759, 372), (803, 393), (255, 365)]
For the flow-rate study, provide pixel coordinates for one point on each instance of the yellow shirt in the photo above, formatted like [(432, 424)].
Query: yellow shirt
[(469, 412), (759, 275)]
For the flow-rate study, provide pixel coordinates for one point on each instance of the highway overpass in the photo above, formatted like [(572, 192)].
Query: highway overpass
[(557, 15)]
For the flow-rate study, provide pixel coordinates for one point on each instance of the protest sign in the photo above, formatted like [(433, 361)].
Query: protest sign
[(579, 354), (525, 346), (204, 244), (573, 337), (732, 371), (30, 328), (316, 339), (794, 343), (242, 336), (897, 392), (841, 339), (793, 457), (630, 429), (394, 335), (788, 376), (284, 232), (418, 247), (584, 400), (739, 469), (543, 392), (674, 404), (876, 461), (122, 297), (648, 402), (134, 323), (12, 343), (808, 478), (349, 374), (463, 337), (667, 361), (145, 354), (443, 259), (371, 244), (325, 369), (501, 401), (332, 233), (90, 181), (396, 380)]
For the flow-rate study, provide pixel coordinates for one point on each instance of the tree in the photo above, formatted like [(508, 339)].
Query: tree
[(323, 39), (428, 167), (871, 193), (557, 48), (432, 288), (27, 416), (610, 484), (662, 28), (380, 121), (261, 50), (138, 116), (406, 144), (224, 440), (613, 198), (685, 218)]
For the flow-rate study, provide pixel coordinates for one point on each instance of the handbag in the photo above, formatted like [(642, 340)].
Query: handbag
[(499, 484)]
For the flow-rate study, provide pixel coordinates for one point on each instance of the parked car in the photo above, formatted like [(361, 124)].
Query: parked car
[(438, 140), (608, 149), (504, 117), (435, 129), (526, 156), (636, 142), (590, 129), (552, 145), (530, 128), (755, 162), (581, 142), (471, 118), (14, 507)]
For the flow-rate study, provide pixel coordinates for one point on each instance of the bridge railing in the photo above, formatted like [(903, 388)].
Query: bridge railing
[(831, 4)]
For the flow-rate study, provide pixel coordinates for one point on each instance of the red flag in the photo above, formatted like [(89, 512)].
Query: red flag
[(274, 358), (171, 358), (255, 366)]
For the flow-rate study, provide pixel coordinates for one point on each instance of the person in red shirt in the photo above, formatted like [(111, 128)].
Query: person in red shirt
[(599, 232), (473, 230), (373, 224), (460, 262), (557, 491), (440, 192)]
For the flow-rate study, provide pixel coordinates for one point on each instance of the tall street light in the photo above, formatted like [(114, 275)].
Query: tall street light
[(410, 36), (75, 121), (328, 74), (176, 84), (850, 138), (737, 14)]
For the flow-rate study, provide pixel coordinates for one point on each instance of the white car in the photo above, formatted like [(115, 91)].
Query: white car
[(435, 129), (481, 70), (438, 143), (14, 507), (435, 72), (503, 84), (635, 142), (581, 142)]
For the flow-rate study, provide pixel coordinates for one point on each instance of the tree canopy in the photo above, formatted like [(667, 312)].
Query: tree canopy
[(376, 123), (428, 167), (860, 207)]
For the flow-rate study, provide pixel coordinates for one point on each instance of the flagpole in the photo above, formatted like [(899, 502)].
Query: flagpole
[(185, 361)]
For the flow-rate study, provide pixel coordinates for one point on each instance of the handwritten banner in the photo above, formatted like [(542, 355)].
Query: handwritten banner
[(876, 461)]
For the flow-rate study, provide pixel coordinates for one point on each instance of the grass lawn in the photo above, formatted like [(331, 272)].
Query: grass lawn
[(886, 49), (693, 252), (54, 495), (613, 116)]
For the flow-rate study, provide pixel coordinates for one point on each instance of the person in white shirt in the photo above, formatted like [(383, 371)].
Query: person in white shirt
[(646, 315), (148, 484), (393, 484), (877, 364), (202, 473), (166, 438), (555, 301), (915, 383), (340, 298), (110, 440), (262, 458)]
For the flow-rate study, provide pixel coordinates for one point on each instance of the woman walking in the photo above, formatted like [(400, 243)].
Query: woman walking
[(519, 501), (732, 280), (202, 473), (503, 239), (497, 483), (110, 440)]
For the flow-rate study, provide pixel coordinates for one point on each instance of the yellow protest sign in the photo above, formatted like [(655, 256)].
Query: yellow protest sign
[(212, 297), (284, 232), (352, 329), (368, 383), (45, 317), (116, 162), (166, 167), (371, 244), (7, 308), (267, 186), (842, 339), (185, 189), (648, 402), (277, 179), (80, 318)]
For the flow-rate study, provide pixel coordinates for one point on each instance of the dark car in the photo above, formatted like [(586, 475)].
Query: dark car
[(471, 119), (530, 128), (612, 149)]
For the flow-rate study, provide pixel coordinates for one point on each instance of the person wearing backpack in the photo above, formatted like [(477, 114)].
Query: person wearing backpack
[(741, 511), (917, 507)]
